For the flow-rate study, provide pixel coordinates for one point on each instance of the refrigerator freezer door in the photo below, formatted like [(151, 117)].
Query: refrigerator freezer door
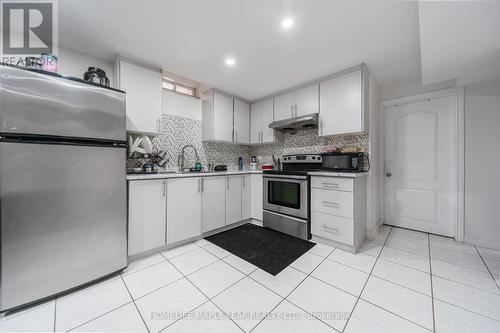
[(63, 218), (35, 103)]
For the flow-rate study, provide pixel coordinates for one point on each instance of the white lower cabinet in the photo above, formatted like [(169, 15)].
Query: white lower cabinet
[(256, 201), (146, 214), (338, 211), (233, 199), (336, 228), (246, 197), (213, 203), (166, 211), (183, 209)]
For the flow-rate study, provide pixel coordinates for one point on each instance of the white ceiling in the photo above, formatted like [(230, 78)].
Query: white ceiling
[(192, 38), (460, 40)]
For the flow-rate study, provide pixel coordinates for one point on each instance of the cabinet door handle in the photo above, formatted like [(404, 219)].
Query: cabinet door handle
[(236, 132), (331, 185), (296, 110), (158, 125), (330, 203), (164, 188), (291, 108), (202, 184), (331, 228), (227, 182), (243, 181), (199, 185)]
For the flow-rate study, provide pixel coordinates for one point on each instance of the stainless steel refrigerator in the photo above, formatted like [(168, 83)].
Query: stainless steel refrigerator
[(63, 197)]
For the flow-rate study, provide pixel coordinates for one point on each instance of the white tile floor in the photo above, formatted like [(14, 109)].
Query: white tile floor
[(402, 281)]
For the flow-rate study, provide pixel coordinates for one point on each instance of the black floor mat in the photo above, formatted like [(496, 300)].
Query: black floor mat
[(270, 250)]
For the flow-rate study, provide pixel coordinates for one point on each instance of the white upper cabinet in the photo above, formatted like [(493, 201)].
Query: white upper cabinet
[(284, 106), (183, 209), (342, 104), (146, 215), (307, 100), (241, 122), (297, 103), (255, 122), (143, 87), (267, 118), (213, 203), (261, 115), (223, 117)]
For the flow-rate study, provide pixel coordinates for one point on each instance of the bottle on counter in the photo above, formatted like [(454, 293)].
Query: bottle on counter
[(240, 163), (254, 165), (198, 166)]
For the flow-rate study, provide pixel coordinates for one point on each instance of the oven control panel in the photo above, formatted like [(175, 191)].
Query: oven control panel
[(301, 158)]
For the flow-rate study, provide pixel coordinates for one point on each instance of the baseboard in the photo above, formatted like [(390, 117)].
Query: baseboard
[(190, 240), (332, 243), (482, 243), (257, 222), (371, 234)]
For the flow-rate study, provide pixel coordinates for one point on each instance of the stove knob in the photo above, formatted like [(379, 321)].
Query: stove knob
[(314, 157)]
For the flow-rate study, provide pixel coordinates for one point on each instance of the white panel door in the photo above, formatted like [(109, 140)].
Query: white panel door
[(255, 122), (267, 118), (233, 199), (146, 215), (340, 108), (307, 100), (223, 117), (183, 209), (284, 106), (421, 165), (241, 122), (246, 197), (144, 97), (213, 203), (257, 195)]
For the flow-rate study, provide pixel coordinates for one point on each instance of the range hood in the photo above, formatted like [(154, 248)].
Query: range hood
[(307, 121)]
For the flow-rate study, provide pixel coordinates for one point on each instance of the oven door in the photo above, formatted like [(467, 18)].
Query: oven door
[(287, 195)]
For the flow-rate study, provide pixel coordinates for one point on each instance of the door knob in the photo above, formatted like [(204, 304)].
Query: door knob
[(388, 174)]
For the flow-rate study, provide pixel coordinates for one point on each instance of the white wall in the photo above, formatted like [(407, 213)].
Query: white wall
[(181, 105), (74, 63), (376, 160), (482, 164), (412, 88)]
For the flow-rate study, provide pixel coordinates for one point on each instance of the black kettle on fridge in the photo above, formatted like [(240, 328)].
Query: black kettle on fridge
[(96, 75)]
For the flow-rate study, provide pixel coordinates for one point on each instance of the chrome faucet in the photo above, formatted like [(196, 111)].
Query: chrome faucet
[(182, 159)]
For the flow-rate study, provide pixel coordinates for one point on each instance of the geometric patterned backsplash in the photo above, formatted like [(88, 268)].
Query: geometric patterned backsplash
[(307, 141), (176, 132)]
